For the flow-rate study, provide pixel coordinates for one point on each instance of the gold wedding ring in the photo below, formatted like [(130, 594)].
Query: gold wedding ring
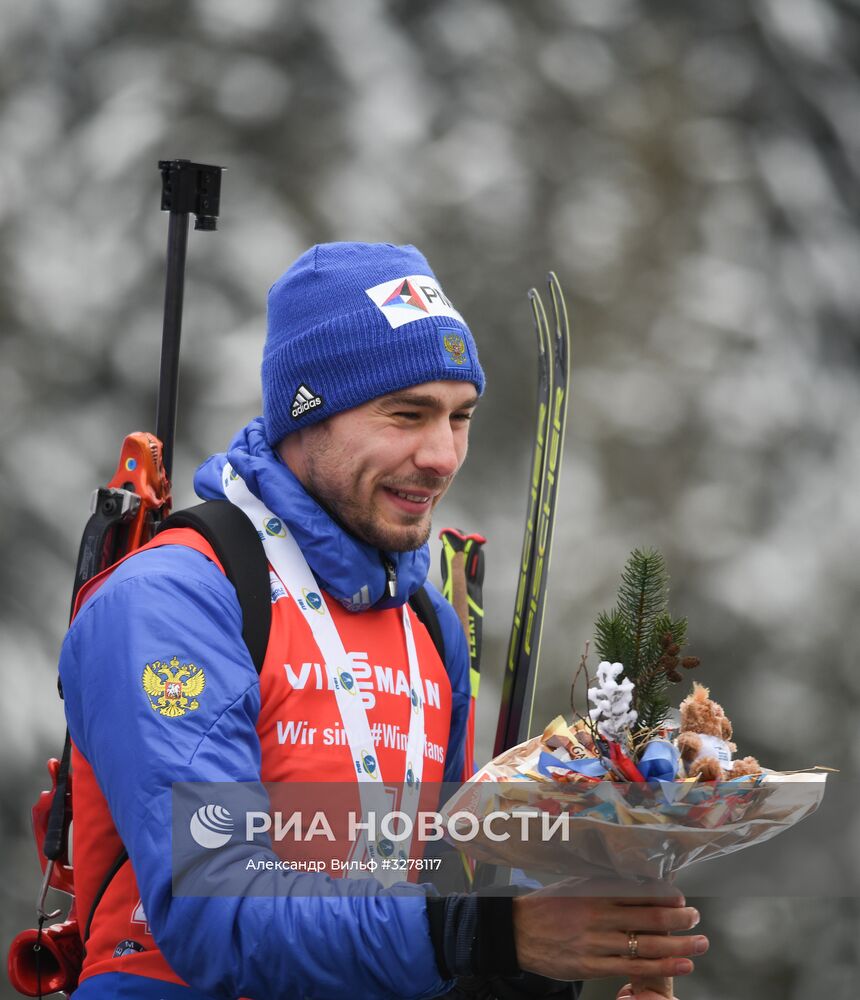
[(632, 944)]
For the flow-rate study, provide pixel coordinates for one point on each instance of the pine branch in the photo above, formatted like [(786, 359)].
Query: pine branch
[(652, 702), (640, 634), (642, 598), (610, 638)]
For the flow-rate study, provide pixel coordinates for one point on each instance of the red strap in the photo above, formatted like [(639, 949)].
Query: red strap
[(188, 537)]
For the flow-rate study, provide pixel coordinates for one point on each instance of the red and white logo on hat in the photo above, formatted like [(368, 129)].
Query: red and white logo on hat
[(415, 296)]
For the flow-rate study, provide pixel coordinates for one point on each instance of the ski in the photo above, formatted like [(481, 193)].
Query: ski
[(519, 685)]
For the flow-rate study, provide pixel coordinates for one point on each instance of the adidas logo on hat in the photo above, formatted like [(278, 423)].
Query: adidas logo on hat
[(306, 399)]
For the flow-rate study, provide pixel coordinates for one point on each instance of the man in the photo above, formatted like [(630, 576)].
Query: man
[(370, 379)]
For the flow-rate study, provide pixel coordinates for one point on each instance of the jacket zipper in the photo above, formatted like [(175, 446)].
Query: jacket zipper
[(390, 576)]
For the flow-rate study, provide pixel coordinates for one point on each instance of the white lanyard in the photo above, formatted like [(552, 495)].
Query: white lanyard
[(291, 568)]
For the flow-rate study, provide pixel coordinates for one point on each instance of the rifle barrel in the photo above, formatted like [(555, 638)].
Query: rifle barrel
[(168, 385), (186, 188)]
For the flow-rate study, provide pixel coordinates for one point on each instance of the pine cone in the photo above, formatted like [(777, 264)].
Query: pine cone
[(690, 662)]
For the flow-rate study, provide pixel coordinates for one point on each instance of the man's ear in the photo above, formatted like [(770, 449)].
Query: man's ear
[(291, 450), (295, 447)]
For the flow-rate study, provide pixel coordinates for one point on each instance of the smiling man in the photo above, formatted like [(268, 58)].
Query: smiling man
[(370, 378), (387, 375), (381, 468)]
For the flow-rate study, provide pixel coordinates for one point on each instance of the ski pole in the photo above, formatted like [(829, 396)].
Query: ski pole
[(462, 586)]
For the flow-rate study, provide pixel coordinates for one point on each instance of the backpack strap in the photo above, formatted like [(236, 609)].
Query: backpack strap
[(238, 548), (119, 861), (423, 607)]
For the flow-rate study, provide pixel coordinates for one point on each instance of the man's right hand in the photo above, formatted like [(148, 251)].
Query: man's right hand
[(577, 937)]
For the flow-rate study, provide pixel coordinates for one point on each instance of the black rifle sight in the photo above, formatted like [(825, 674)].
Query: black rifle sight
[(191, 187)]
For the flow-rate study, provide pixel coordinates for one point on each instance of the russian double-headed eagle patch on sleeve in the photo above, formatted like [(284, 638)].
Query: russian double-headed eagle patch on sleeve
[(173, 688)]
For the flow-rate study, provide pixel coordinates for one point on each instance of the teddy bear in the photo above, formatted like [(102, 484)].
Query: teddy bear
[(704, 740)]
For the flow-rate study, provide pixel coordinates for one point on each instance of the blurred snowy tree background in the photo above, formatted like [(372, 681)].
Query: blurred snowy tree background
[(691, 171)]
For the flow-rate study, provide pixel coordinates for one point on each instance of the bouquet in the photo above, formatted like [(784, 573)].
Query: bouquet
[(633, 788)]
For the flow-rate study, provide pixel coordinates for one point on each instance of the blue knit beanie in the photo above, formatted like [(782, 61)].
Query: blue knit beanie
[(352, 321)]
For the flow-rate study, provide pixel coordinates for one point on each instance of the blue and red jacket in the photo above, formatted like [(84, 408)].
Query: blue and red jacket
[(172, 603)]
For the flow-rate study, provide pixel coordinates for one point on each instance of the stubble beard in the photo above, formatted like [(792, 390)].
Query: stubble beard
[(364, 522), (368, 526), (386, 538), (324, 466)]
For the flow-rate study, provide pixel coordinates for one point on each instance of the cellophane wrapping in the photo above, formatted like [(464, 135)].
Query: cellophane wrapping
[(618, 829)]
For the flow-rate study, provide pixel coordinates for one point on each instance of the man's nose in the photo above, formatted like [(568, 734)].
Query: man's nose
[(437, 451)]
